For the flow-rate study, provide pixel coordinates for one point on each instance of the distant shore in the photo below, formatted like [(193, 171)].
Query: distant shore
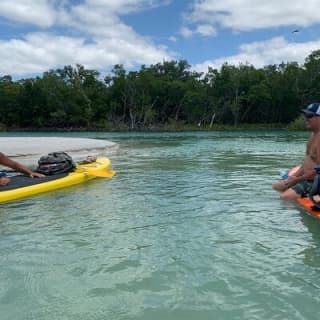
[(155, 128)]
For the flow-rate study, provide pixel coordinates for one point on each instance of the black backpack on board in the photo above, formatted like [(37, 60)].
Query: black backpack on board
[(55, 163)]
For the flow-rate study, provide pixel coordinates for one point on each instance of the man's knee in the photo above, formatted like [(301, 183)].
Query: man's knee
[(289, 195)]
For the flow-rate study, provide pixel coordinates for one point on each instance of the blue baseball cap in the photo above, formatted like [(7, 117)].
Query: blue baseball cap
[(312, 109)]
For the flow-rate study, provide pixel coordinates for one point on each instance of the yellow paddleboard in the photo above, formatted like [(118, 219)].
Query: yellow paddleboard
[(22, 186)]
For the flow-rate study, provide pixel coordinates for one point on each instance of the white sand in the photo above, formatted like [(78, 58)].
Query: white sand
[(29, 149)]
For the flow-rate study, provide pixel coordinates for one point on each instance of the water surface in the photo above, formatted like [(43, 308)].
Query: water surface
[(188, 229)]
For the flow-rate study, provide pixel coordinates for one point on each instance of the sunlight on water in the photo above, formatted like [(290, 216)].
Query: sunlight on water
[(189, 228)]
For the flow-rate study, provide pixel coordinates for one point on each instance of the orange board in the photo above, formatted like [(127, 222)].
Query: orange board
[(307, 204)]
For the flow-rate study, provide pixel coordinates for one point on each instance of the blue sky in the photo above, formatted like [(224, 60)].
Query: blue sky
[(38, 35)]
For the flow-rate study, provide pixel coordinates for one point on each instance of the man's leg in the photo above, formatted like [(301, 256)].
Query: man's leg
[(289, 195)]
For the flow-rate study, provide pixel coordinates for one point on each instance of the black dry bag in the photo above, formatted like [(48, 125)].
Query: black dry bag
[(55, 163)]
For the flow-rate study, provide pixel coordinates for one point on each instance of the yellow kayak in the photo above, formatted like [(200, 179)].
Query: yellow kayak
[(22, 186)]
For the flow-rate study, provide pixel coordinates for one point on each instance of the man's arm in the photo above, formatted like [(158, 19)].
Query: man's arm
[(301, 176), (6, 161)]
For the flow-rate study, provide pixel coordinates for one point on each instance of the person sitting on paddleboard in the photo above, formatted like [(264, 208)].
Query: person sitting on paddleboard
[(6, 161), (301, 182)]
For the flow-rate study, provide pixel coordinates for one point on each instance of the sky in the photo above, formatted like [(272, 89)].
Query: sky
[(39, 35)]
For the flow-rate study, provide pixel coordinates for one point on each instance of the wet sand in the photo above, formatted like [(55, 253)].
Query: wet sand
[(29, 149)]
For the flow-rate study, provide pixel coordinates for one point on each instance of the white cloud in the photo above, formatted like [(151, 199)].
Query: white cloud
[(39, 13), (260, 54), (186, 32), (206, 30), (94, 36), (125, 6), (243, 15), (203, 30), (40, 51)]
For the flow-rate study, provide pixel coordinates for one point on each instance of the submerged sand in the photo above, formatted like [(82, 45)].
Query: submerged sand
[(29, 149)]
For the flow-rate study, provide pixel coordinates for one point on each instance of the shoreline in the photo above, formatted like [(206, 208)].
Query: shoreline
[(29, 149), (164, 128)]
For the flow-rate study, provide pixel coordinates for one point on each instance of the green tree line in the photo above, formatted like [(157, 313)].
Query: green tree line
[(159, 95)]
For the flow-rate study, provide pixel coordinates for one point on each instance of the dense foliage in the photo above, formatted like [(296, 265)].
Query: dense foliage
[(159, 95)]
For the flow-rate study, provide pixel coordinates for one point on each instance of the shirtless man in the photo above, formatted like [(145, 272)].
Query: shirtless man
[(300, 184), (4, 160)]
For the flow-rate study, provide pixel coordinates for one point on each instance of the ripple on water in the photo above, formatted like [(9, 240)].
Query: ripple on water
[(188, 229)]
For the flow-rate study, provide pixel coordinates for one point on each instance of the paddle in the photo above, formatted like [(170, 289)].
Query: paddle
[(98, 172)]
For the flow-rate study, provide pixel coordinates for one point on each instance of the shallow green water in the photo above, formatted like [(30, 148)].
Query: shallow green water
[(188, 229)]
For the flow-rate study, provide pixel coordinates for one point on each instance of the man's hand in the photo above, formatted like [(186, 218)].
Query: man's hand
[(36, 175), (291, 181), (4, 181)]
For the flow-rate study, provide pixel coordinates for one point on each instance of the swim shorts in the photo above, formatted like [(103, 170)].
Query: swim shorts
[(303, 187)]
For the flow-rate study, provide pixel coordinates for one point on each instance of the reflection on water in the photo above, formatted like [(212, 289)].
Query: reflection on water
[(188, 229)]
